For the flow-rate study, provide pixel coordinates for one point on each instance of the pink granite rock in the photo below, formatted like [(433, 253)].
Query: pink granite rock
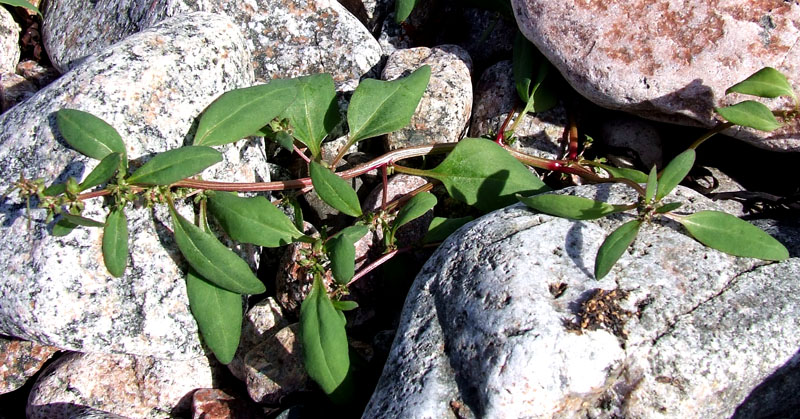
[(666, 59), (19, 360)]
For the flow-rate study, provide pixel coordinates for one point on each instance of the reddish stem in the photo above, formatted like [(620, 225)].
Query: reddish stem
[(301, 154), (500, 138), (384, 170)]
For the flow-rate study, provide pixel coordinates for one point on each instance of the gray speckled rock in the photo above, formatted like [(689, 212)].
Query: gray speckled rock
[(669, 60), (287, 38), (20, 360), (634, 137), (275, 368), (150, 87), (483, 327), (262, 320), (538, 134), (443, 113), (9, 42), (14, 89), (123, 385)]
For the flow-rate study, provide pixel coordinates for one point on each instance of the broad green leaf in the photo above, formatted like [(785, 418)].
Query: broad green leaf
[(174, 165), (481, 173), (672, 206), (241, 112), (674, 173), (342, 252), (115, 242), (614, 246), (81, 221), (21, 3), (750, 114), (62, 227), (625, 173), (102, 172), (213, 260), (218, 313), (89, 135), (415, 207), (440, 228), (652, 185), (402, 9), (568, 206), (767, 82), (380, 107), (314, 113), (732, 235), (334, 190), (345, 305), (325, 349), (252, 220)]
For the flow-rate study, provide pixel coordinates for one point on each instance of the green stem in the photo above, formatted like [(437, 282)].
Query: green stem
[(714, 131)]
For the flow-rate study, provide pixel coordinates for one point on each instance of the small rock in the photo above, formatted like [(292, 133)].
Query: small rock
[(487, 36), (261, 320), (287, 38), (212, 403), (628, 135), (675, 329), (275, 367), (9, 42), (150, 87), (123, 385), (20, 360), (14, 89), (443, 113), (538, 134), (36, 73), (669, 61)]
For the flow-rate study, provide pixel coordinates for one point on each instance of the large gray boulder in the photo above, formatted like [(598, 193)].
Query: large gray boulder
[(150, 87), (287, 38), (669, 60), (506, 320)]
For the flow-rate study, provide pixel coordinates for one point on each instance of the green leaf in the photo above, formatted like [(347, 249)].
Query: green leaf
[(63, 227), (732, 235), (672, 206), (416, 207), (252, 220), (241, 112), (218, 313), (334, 190), (115, 242), (342, 252), (440, 228), (403, 8), (314, 113), (212, 260), (81, 221), (345, 305), (750, 114), (174, 165), (674, 173), (322, 332), (614, 246), (481, 173), (572, 207), (530, 69), (21, 3), (625, 173), (380, 107), (55, 189), (652, 185), (89, 135), (767, 82), (284, 140), (102, 172)]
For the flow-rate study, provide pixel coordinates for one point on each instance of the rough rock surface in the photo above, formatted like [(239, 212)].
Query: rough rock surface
[(443, 113), (123, 385), (150, 87), (275, 367), (9, 42), (675, 329), (669, 60), (287, 38), (211, 403), (633, 138), (538, 134), (14, 89), (262, 320), (20, 360)]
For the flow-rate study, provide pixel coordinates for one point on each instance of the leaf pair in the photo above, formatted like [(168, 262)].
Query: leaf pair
[(530, 70), (767, 83)]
